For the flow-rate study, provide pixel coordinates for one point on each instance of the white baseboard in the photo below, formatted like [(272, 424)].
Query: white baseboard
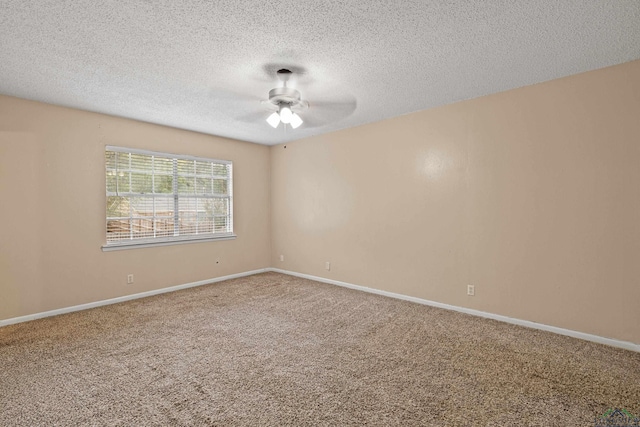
[(561, 331), (125, 298)]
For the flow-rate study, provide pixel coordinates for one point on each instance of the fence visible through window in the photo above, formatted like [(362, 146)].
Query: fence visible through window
[(163, 197)]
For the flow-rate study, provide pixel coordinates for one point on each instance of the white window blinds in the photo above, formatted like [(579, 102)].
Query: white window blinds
[(158, 197)]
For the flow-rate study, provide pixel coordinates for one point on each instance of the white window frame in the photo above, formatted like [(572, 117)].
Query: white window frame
[(133, 243)]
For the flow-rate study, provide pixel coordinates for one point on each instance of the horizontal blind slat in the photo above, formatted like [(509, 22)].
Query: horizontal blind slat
[(142, 187)]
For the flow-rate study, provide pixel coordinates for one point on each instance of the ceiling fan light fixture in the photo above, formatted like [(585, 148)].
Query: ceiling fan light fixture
[(273, 120), (295, 121), (286, 114), (285, 99)]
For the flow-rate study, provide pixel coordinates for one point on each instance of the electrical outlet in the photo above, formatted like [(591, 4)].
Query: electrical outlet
[(281, 257), (129, 279), (471, 290), (327, 265)]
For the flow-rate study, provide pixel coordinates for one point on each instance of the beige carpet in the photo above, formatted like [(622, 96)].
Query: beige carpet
[(277, 350)]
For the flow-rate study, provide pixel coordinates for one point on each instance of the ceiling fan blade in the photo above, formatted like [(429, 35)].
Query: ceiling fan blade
[(299, 107), (254, 117), (322, 113), (231, 100), (313, 122), (268, 105), (341, 105)]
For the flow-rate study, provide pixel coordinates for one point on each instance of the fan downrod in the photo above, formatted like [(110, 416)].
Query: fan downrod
[(284, 75)]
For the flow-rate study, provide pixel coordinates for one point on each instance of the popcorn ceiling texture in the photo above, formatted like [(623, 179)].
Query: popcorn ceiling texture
[(202, 65)]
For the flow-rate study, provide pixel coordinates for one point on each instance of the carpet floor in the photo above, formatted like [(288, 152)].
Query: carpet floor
[(276, 350)]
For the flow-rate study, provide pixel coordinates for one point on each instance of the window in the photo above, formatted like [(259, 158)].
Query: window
[(158, 198)]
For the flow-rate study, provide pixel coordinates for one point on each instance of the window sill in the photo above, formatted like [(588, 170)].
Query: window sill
[(150, 243)]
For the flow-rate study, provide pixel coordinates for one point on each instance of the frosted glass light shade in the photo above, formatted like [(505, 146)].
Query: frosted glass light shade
[(295, 121), (286, 115), (274, 120)]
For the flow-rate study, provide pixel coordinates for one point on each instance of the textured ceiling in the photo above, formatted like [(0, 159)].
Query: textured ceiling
[(205, 65)]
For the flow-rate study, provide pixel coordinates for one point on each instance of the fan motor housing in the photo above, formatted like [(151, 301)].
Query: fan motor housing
[(284, 95)]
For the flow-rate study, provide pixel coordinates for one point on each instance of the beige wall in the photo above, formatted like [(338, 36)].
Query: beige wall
[(52, 187), (531, 195)]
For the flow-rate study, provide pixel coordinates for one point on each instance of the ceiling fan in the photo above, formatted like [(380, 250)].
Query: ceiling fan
[(286, 101), (324, 102)]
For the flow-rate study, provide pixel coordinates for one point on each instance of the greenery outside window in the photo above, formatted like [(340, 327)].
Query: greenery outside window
[(159, 198)]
